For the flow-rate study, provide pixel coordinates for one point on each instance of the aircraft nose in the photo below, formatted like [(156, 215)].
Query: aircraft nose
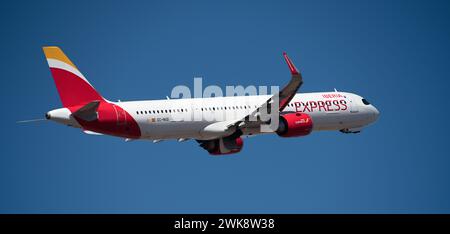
[(375, 113)]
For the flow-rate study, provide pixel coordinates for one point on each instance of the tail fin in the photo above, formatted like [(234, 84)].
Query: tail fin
[(73, 88)]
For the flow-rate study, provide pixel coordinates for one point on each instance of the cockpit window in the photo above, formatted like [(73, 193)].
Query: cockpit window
[(365, 101)]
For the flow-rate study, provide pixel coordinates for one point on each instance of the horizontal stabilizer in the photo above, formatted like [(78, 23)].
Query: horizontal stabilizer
[(92, 133), (88, 112)]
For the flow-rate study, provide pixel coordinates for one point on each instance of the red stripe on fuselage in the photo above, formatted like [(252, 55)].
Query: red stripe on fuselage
[(112, 120)]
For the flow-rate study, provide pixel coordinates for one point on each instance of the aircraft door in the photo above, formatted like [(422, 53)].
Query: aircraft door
[(354, 107)]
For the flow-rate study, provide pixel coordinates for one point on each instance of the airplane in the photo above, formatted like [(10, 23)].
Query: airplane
[(298, 114)]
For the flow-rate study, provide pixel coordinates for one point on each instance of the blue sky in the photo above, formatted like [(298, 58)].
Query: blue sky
[(394, 53)]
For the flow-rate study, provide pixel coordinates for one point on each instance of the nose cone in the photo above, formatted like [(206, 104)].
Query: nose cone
[(375, 113)]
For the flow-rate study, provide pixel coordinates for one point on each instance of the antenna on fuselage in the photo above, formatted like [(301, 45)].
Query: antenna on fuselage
[(335, 90)]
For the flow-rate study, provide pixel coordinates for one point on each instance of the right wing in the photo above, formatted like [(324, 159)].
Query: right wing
[(284, 97)]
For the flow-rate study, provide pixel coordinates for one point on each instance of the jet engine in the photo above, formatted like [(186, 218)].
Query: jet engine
[(294, 125), (223, 146)]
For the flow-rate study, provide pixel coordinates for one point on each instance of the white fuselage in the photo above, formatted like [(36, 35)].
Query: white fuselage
[(216, 123), (187, 118)]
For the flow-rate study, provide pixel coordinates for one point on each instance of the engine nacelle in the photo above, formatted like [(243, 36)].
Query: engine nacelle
[(223, 146), (294, 125)]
